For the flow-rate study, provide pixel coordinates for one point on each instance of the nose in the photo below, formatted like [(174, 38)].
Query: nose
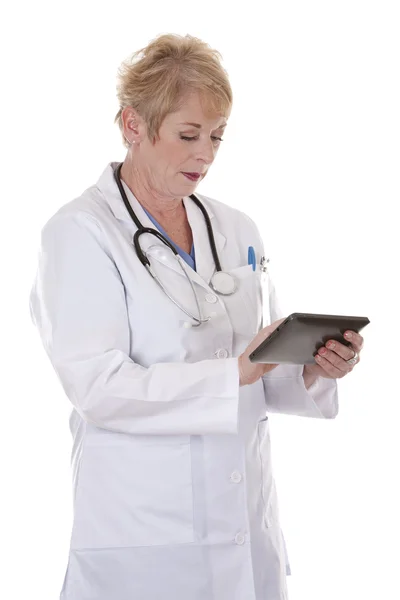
[(207, 152)]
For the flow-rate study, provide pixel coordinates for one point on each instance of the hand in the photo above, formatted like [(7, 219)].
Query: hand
[(331, 359), (251, 372)]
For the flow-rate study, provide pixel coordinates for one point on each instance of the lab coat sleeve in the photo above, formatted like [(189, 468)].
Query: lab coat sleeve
[(78, 305), (286, 393), (284, 387)]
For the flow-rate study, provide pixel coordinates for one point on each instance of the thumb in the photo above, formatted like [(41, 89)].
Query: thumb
[(262, 335)]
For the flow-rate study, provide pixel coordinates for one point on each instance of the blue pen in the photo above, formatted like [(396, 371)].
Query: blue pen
[(251, 258)]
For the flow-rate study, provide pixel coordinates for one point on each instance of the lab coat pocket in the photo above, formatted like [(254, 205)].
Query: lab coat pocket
[(245, 305), (268, 489), (135, 492)]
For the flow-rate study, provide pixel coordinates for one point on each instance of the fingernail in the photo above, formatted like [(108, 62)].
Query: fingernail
[(348, 335), (322, 351), (331, 345), (318, 358)]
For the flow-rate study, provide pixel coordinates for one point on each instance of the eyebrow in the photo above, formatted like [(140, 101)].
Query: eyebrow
[(198, 126)]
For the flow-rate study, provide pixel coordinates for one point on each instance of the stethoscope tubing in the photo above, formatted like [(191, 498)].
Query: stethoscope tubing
[(146, 263)]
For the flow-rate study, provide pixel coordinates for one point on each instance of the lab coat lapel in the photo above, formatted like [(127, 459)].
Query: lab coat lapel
[(108, 186), (205, 265)]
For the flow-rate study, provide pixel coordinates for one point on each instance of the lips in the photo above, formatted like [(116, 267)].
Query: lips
[(192, 176)]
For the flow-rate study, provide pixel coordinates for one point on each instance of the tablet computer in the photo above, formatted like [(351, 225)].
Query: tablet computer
[(297, 339)]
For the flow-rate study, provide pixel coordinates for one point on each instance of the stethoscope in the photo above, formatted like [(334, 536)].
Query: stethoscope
[(221, 282)]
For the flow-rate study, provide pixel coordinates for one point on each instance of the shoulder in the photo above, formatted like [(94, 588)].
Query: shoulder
[(225, 213), (232, 221), (86, 211)]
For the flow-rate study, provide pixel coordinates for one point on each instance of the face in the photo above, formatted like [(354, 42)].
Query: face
[(188, 143)]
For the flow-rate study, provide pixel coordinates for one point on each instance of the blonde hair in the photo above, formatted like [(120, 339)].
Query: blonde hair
[(155, 79)]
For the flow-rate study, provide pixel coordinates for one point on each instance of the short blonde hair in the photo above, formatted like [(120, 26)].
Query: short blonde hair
[(154, 80)]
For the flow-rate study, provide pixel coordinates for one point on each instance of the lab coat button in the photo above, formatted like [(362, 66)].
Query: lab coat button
[(236, 477), (221, 353), (240, 539), (211, 298)]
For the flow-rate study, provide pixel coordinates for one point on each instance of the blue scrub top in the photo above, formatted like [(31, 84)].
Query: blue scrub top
[(189, 258)]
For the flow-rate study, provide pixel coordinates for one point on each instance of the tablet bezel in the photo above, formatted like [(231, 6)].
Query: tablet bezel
[(355, 323)]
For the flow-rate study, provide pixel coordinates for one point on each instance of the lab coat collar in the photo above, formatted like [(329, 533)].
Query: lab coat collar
[(205, 266)]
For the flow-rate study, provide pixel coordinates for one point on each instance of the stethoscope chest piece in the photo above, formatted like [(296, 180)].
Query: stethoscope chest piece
[(223, 283)]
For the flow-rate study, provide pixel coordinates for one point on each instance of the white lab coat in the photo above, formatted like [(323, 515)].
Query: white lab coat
[(174, 496)]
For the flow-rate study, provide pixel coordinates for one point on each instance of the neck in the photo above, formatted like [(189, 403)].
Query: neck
[(157, 204)]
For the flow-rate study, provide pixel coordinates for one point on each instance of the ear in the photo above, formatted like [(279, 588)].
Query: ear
[(134, 128)]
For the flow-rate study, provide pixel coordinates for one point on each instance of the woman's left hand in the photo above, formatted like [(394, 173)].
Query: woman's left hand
[(332, 358)]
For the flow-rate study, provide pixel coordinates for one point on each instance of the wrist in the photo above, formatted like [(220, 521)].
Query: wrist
[(241, 374), (244, 379)]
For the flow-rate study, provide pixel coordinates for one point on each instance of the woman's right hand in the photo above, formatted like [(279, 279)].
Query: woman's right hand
[(250, 372)]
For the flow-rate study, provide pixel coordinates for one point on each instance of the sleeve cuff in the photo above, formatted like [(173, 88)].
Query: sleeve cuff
[(285, 393)]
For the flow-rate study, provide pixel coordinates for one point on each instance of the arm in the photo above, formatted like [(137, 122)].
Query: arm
[(289, 389), (78, 305)]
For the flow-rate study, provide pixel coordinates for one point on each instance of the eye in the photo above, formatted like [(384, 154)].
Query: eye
[(190, 139)]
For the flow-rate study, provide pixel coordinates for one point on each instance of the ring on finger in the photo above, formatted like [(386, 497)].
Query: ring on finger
[(352, 361)]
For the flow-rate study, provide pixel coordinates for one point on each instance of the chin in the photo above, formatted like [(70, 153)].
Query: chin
[(186, 187), (190, 188)]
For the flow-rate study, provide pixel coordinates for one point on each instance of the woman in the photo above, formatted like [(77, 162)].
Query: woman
[(174, 496)]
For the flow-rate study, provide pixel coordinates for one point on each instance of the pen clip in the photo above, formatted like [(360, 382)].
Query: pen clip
[(263, 264)]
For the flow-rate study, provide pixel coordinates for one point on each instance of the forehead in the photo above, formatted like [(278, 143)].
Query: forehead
[(194, 109)]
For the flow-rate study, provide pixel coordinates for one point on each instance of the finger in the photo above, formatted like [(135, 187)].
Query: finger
[(262, 335), (344, 352), (268, 329), (357, 341), (276, 324), (336, 360), (329, 368)]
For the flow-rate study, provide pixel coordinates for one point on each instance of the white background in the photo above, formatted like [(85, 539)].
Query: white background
[(312, 153)]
